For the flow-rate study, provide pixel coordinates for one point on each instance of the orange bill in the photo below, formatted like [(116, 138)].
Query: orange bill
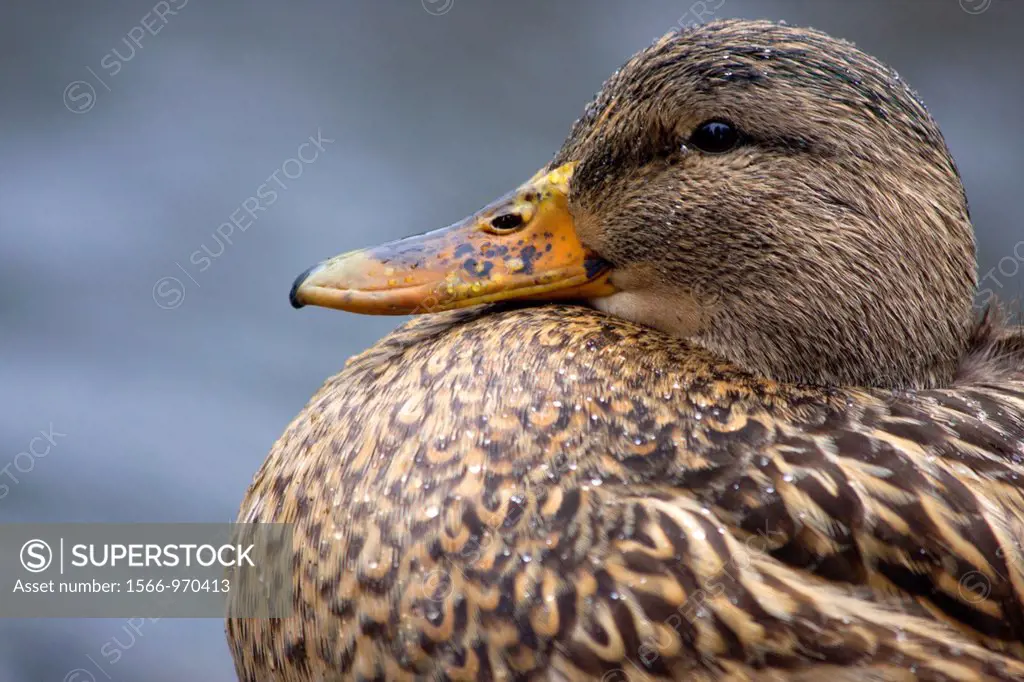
[(522, 246)]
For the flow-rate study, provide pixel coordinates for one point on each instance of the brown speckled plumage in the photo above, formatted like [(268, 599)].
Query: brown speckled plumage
[(597, 496), (554, 493)]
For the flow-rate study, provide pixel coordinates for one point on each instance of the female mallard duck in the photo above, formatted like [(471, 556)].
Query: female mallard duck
[(813, 469)]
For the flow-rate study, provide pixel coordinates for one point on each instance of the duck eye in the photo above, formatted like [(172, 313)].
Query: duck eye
[(715, 137)]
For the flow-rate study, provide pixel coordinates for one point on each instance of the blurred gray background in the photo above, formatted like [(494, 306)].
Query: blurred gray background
[(119, 167)]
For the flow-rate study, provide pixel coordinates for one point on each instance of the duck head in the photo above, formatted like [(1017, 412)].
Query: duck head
[(770, 193)]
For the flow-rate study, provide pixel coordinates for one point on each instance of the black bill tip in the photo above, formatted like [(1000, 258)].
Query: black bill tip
[(293, 295)]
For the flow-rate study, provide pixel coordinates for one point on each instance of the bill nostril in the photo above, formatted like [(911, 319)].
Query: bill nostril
[(506, 222)]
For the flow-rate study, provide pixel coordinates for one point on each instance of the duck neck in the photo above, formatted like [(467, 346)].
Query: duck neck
[(824, 346)]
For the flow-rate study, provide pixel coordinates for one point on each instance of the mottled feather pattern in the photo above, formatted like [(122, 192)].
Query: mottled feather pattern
[(549, 493), (552, 493)]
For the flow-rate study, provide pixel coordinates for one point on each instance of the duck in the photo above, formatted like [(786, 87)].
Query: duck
[(706, 398)]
